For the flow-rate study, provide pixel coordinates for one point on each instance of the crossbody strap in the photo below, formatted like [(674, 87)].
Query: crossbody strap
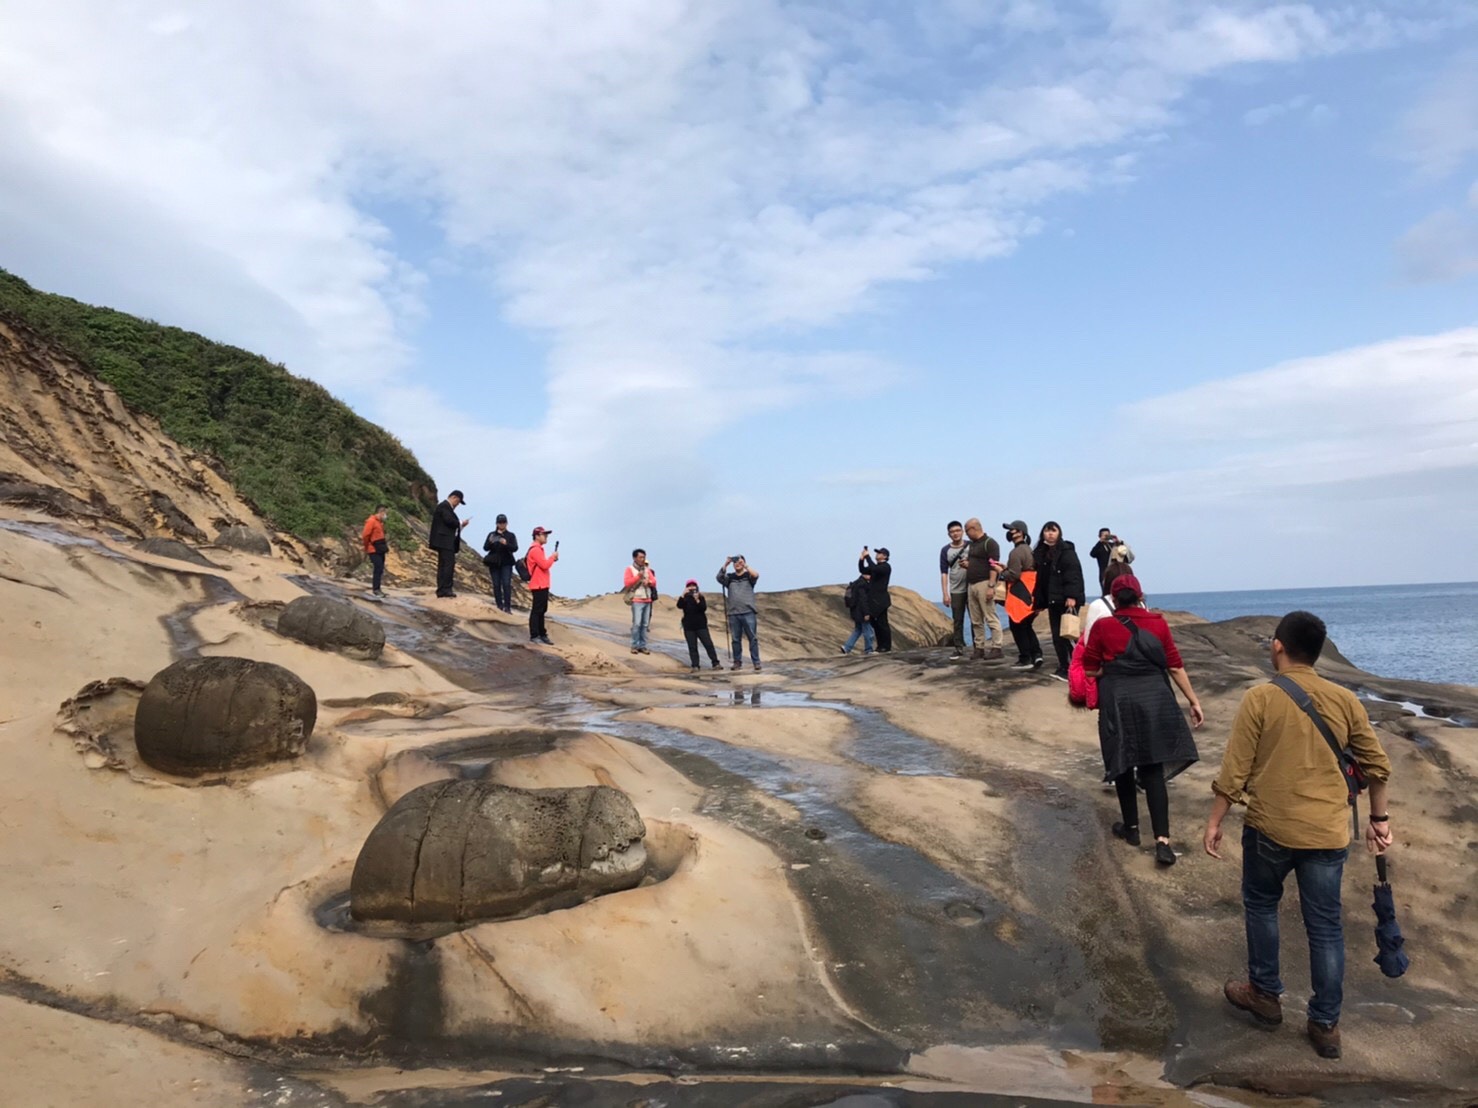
[(1300, 696)]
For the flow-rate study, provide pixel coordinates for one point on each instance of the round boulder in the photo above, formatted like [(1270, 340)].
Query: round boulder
[(246, 539), (455, 852), (332, 624), (204, 715)]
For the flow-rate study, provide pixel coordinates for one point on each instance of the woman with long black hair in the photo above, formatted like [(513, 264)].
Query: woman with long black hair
[(1141, 730), (1059, 587)]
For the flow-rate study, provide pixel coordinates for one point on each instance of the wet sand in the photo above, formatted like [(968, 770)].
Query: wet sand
[(887, 877)]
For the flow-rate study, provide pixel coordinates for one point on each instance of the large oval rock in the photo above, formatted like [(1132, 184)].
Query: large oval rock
[(332, 624), (203, 715), (246, 539), (455, 852)]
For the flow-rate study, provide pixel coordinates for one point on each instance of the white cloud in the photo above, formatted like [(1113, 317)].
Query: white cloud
[(664, 190), (1444, 246), (1399, 408), (1439, 135), (1302, 107)]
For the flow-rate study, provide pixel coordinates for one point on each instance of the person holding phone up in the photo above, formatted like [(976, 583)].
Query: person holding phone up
[(738, 588)]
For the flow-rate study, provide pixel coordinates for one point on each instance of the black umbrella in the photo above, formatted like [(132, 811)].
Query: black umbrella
[(1391, 959)]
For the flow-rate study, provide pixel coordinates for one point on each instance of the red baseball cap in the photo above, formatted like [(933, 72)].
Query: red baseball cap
[(1127, 581), (542, 531)]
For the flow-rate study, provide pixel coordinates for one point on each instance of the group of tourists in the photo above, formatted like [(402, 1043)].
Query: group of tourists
[(736, 578), (1284, 760)]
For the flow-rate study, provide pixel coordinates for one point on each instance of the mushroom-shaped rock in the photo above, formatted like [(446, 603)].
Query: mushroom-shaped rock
[(332, 624), (203, 715), (173, 548), (454, 852), (246, 539)]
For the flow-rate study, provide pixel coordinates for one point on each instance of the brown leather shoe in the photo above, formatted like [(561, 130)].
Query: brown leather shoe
[(978, 653), (993, 654), (1325, 1039), (1265, 1007)]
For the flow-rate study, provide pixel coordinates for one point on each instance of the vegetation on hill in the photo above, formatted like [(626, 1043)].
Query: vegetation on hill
[(310, 464)]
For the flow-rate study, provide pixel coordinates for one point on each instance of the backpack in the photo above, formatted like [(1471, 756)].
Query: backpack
[(849, 596), (521, 567)]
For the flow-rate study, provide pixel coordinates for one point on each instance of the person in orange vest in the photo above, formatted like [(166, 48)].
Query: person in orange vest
[(375, 544), (1021, 583)]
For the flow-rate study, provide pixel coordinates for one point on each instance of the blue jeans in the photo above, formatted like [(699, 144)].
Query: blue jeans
[(863, 631), (1265, 865), (641, 621), (740, 625), (502, 586)]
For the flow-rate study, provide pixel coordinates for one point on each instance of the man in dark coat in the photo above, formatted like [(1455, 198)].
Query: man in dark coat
[(878, 573), (1102, 551), (446, 538)]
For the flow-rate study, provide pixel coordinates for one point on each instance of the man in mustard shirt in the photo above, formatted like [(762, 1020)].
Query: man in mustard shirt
[(1298, 821)]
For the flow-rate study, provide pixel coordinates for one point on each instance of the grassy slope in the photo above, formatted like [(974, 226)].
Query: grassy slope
[(312, 466)]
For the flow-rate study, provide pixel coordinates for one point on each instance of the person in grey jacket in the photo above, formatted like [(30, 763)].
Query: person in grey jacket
[(738, 589)]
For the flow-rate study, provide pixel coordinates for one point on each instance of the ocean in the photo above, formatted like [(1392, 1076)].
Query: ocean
[(1417, 632)]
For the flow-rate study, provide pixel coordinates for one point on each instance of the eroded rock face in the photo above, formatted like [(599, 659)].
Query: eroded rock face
[(203, 715), (173, 548), (332, 624), (455, 852), (244, 539)]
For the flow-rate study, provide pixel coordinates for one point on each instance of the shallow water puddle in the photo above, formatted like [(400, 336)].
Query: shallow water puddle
[(920, 949)]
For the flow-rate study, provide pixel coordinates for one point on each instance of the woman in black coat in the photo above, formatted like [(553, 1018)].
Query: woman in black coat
[(1059, 587)]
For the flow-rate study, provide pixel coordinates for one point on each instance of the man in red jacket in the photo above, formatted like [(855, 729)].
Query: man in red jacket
[(540, 562)]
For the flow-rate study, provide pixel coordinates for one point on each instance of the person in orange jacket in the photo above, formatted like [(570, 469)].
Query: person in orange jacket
[(539, 562), (375, 544)]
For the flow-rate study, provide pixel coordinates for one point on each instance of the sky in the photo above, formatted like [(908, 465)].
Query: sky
[(787, 279)]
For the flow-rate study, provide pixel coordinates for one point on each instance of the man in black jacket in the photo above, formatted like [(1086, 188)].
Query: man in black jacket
[(1102, 550), (446, 539), (878, 573)]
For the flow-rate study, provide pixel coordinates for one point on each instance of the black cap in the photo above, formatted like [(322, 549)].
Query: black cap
[(1017, 525), (883, 550), (458, 494), (501, 518)]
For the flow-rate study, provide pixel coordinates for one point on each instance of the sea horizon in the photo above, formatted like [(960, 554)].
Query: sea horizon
[(1423, 632)]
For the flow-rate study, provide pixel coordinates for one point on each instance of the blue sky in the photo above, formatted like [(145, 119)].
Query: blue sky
[(789, 278)]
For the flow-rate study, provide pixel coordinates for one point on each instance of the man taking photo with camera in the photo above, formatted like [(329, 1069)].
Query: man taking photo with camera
[(738, 587)]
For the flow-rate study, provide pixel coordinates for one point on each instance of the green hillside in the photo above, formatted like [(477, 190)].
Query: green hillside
[(309, 463)]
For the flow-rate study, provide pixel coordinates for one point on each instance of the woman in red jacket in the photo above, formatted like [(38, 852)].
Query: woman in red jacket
[(1141, 730)]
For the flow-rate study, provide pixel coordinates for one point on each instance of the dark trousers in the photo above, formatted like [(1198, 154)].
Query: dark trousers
[(1027, 643), (695, 635), (959, 603), (377, 563), (883, 632), (536, 613), (502, 586), (1063, 647), (1265, 866), (1155, 797), (446, 568)]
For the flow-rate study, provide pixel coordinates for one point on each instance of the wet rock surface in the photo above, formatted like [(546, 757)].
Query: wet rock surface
[(205, 715), (958, 890), (332, 624), (179, 551), (455, 852)]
